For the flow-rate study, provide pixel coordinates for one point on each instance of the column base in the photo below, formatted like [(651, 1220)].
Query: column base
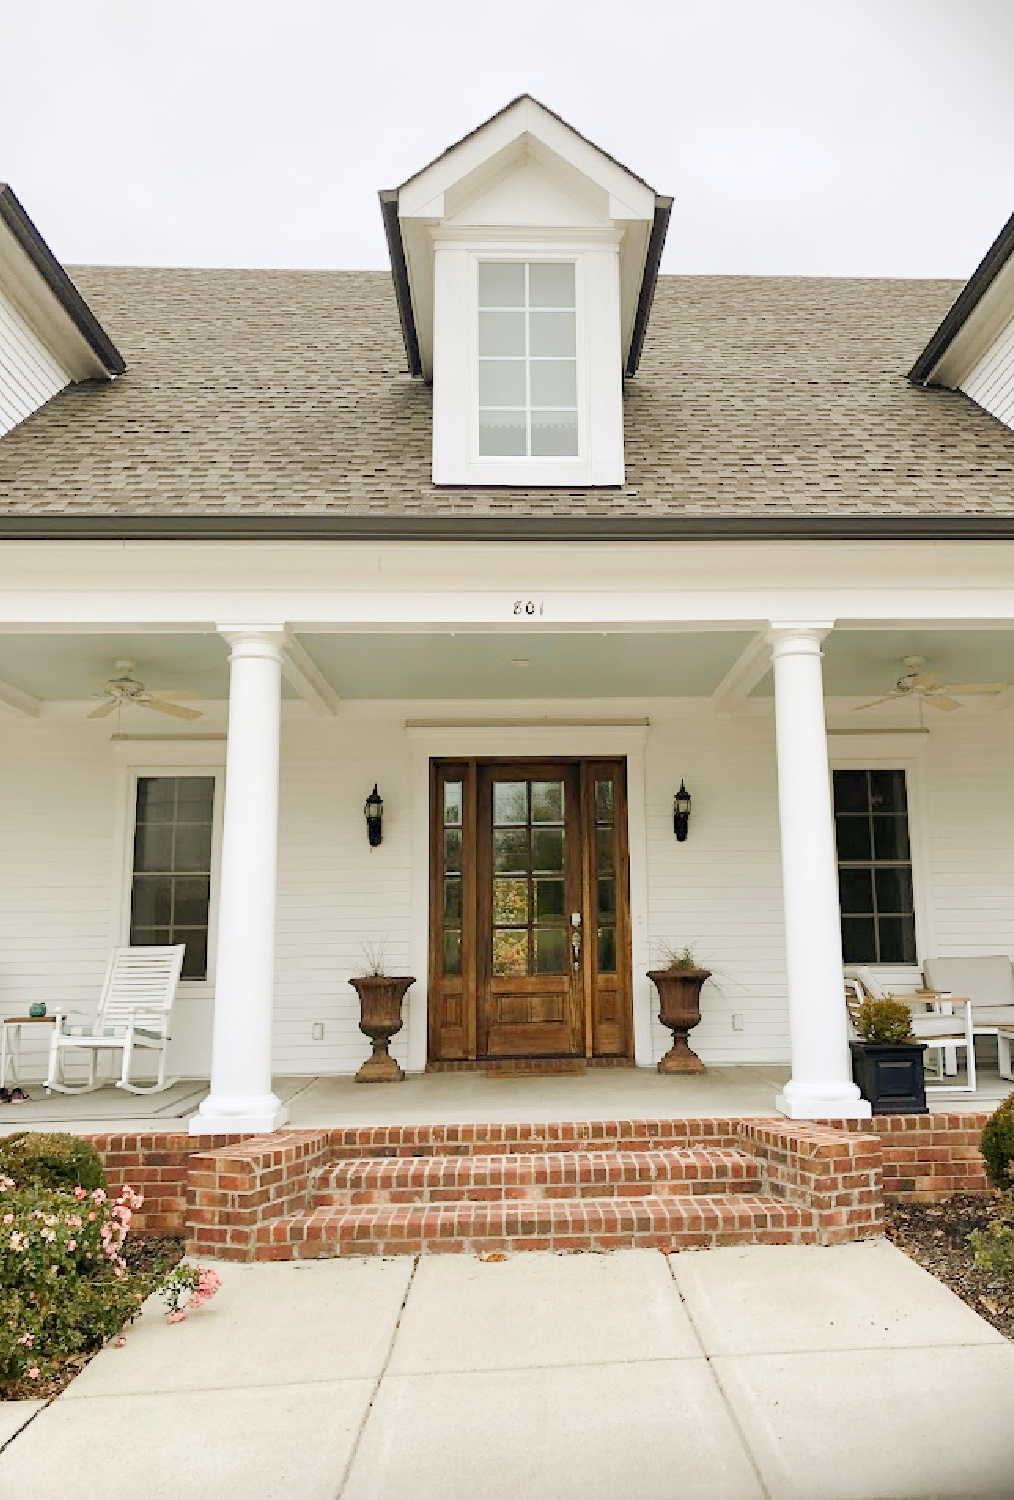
[(259, 1116), (829, 1101)]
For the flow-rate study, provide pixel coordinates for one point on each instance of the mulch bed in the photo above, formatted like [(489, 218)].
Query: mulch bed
[(936, 1236), (145, 1254)]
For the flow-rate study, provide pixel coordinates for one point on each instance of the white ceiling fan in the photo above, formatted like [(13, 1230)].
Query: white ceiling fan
[(124, 689), (926, 687)]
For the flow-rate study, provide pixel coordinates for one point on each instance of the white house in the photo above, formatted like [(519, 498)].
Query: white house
[(526, 540)]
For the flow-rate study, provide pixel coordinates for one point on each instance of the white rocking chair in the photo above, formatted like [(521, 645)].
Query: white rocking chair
[(134, 1008)]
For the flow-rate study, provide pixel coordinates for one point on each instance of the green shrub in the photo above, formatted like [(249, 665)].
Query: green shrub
[(997, 1143), (51, 1160), (884, 1021), (994, 1249)]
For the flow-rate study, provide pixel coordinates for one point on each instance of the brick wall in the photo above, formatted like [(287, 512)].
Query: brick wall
[(230, 1192), (927, 1157), (837, 1176)]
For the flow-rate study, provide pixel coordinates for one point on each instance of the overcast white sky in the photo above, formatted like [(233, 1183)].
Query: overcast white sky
[(813, 137)]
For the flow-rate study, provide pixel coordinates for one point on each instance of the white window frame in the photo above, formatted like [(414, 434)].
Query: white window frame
[(909, 759), (202, 761), (456, 457)]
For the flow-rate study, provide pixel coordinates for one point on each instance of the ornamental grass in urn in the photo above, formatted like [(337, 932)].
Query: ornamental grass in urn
[(679, 982), (380, 1001)]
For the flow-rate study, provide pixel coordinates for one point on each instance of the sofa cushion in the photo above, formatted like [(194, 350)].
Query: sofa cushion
[(993, 1015), (986, 981)]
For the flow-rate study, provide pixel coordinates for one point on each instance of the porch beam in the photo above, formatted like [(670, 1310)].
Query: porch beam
[(18, 702), (749, 668), (303, 674)]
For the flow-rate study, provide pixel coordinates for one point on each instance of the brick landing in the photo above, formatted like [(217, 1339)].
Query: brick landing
[(569, 1185)]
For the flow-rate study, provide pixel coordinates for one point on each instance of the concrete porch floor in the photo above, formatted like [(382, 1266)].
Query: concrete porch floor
[(600, 1094)]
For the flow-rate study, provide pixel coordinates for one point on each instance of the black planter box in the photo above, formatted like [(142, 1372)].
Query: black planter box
[(890, 1075)]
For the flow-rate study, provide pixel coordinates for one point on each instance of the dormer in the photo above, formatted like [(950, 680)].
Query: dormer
[(524, 262)]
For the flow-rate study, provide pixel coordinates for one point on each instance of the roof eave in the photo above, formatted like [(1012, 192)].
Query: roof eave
[(968, 299)]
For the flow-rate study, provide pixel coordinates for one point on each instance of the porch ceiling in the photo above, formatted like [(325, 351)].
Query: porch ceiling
[(74, 667), (857, 662)]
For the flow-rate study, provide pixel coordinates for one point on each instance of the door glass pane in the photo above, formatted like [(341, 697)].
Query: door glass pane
[(549, 900), (510, 902), (547, 801), (547, 850), (606, 892), (452, 803), (510, 802), (510, 953), (603, 802), (550, 950), (452, 898), (452, 951), (510, 850), (604, 851), (452, 851), (606, 953)]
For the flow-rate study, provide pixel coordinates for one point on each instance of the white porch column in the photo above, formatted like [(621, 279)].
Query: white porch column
[(241, 1099), (821, 1085)]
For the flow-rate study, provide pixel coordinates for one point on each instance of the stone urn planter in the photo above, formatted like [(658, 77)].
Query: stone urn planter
[(380, 997), (679, 994)]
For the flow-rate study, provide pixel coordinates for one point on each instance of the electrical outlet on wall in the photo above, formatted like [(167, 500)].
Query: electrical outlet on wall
[(317, 1031), (737, 1020)]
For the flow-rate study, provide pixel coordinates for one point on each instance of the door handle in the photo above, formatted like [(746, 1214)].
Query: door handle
[(575, 938)]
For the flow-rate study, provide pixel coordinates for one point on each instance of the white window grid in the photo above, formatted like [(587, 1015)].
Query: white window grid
[(528, 359)]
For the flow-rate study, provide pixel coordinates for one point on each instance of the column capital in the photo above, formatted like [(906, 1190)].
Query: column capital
[(255, 640), (797, 637)]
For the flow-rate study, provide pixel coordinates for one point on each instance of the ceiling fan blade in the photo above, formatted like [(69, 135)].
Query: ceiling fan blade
[(104, 709), (928, 680), (975, 687), (173, 693), (174, 709), (891, 698), (940, 700)]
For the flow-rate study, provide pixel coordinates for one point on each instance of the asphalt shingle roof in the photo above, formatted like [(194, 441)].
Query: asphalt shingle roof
[(285, 393)]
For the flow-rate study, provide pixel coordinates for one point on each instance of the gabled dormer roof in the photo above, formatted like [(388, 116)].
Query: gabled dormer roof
[(524, 168)]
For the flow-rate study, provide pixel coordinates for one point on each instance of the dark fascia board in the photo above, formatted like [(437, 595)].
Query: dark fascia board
[(652, 261), (59, 283), (399, 273), (968, 299), (505, 529)]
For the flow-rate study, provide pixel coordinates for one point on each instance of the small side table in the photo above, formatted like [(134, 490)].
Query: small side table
[(10, 1032)]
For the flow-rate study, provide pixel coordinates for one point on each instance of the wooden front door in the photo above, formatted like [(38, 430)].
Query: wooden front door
[(529, 910)]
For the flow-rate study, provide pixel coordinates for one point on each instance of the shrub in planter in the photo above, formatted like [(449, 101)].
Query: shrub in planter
[(997, 1144), (887, 1021), (64, 1286), (51, 1160), (886, 1063)]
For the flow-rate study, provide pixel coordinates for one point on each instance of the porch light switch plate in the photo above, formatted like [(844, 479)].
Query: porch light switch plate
[(317, 1031), (737, 1020)]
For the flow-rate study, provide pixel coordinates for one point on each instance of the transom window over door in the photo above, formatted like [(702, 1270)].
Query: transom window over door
[(527, 354), (171, 888), (874, 867)]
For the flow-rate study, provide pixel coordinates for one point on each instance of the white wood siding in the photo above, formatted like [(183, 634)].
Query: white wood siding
[(29, 375), (59, 792), (991, 381)]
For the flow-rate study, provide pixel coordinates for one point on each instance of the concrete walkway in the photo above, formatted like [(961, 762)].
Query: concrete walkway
[(725, 1375)]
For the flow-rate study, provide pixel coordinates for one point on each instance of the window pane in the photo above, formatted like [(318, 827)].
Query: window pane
[(851, 791), (452, 802), (195, 958), (897, 940), (551, 285), (547, 801), (554, 434), (550, 950), (890, 837), (190, 901), (452, 898), (606, 950), (452, 952), (153, 846), (894, 890), (510, 953), (603, 802), (606, 898), (855, 890), (547, 850), (452, 850), (504, 333), (552, 333), (858, 940), (853, 835), (554, 382), (192, 849), (501, 284), (503, 434), (549, 900), (151, 902), (502, 382), (150, 937), (156, 799), (510, 850), (887, 791), (194, 798), (510, 902), (510, 802)]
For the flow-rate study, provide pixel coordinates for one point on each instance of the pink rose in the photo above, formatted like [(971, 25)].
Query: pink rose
[(177, 1317), (33, 1373), (80, 1193), (99, 1196)]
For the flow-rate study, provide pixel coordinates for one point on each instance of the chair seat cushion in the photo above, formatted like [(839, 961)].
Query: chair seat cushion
[(926, 1027), (115, 1033), (993, 1015)]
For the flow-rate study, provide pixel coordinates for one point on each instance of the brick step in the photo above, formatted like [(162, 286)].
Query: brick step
[(619, 1173), (679, 1223), (484, 1139)]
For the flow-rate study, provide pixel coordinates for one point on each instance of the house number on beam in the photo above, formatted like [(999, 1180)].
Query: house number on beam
[(527, 607)]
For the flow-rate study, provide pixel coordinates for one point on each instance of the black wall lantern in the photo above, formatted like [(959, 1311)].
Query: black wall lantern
[(681, 813), (374, 811)]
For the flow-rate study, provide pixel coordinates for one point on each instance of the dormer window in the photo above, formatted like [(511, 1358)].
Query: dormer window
[(527, 353), (524, 262)]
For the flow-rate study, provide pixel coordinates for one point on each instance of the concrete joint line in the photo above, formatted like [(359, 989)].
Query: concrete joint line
[(736, 1424), (380, 1380), (28, 1423)]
